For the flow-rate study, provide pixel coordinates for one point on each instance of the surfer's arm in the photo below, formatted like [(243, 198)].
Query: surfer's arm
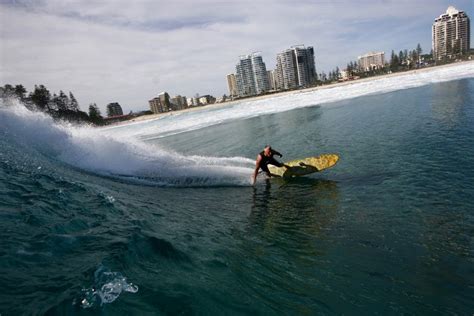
[(276, 153), (257, 166)]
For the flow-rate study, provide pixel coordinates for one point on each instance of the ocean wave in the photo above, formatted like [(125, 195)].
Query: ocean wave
[(124, 158)]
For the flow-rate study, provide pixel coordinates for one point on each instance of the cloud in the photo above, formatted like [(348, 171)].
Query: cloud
[(128, 51)]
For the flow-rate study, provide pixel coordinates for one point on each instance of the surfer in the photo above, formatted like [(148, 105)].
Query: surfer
[(264, 159)]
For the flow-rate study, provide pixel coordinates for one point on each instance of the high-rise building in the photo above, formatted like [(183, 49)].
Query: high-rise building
[(161, 103), (451, 34), (272, 80), (286, 70), (114, 109), (232, 84), (251, 75), (305, 67), (371, 61), (178, 103), (296, 68), (259, 73)]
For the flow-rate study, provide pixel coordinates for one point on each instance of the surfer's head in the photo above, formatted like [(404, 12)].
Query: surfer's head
[(267, 150)]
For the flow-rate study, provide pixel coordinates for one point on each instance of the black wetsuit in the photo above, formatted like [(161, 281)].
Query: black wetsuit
[(269, 161)]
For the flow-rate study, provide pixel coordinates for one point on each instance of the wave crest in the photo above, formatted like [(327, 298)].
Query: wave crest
[(122, 157)]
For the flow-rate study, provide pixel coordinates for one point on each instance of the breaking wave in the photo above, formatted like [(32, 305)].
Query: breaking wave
[(125, 158)]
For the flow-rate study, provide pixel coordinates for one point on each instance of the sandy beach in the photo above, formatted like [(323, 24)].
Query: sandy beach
[(283, 93)]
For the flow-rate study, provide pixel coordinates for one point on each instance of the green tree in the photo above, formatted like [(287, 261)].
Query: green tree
[(20, 91), (94, 114), (61, 101), (73, 104), (400, 57), (419, 51), (7, 91), (40, 97), (394, 61)]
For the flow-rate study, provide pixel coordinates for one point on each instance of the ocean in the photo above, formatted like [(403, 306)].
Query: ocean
[(160, 217)]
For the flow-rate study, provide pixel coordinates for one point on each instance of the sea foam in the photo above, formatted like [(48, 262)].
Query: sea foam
[(116, 156)]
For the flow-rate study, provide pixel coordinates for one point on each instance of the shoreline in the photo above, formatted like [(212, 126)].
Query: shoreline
[(152, 117)]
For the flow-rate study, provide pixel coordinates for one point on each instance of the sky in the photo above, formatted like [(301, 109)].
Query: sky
[(129, 51)]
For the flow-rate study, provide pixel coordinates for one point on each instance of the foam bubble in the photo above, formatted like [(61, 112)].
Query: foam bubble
[(106, 289)]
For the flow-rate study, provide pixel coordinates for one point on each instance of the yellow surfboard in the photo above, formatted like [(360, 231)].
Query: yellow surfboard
[(302, 167)]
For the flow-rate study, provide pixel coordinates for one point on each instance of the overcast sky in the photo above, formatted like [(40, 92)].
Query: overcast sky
[(128, 51)]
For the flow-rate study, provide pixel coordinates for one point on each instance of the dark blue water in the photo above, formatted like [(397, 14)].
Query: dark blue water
[(388, 230)]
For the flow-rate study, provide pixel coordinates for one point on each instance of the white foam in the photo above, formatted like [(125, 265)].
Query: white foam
[(180, 122), (106, 289), (122, 157)]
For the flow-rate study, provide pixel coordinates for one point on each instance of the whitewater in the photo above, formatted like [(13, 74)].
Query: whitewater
[(125, 158)]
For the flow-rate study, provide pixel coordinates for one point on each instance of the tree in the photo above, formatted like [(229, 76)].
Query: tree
[(400, 57), (7, 91), (394, 61), (324, 77), (73, 104), (419, 51), (40, 97), (61, 102), (94, 114), (20, 91)]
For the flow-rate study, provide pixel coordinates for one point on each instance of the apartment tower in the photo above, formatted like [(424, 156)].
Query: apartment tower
[(232, 84), (251, 75), (296, 68), (371, 61), (451, 34)]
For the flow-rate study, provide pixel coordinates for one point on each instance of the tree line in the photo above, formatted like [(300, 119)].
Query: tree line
[(60, 106), (404, 60)]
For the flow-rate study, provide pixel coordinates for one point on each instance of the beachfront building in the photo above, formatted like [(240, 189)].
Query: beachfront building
[(114, 109), (178, 103), (296, 68), (161, 103), (206, 99), (260, 74), (344, 75), (371, 61), (251, 75), (232, 85), (192, 102), (451, 34), (272, 80)]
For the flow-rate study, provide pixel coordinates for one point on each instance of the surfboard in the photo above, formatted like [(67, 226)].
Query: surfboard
[(305, 166)]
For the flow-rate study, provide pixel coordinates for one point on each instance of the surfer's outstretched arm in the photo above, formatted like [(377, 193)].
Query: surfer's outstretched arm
[(276, 153), (257, 166)]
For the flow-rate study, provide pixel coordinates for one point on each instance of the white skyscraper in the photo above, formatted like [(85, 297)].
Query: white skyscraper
[(296, 68), (371, 61), (451, 34), (251, 75)]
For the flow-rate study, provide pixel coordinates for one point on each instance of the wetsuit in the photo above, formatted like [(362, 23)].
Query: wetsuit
[(269, 161)]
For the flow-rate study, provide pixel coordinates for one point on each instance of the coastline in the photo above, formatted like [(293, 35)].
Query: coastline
[(151, 117)]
